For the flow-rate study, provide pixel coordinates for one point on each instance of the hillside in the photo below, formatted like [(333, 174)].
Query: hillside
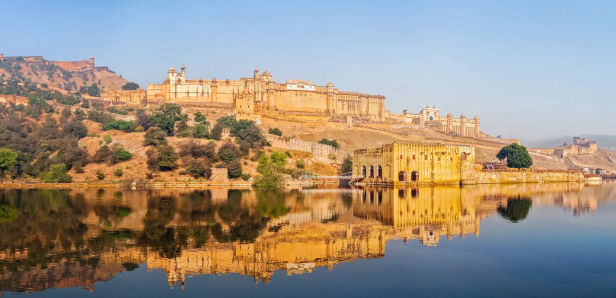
[(603, 141), (67, 76)]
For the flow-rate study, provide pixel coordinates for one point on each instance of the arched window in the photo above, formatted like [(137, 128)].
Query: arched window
[(363, 171), (414, 192), (402, 176), (402, 193), (414, 176), (371, 171), (379, 171)]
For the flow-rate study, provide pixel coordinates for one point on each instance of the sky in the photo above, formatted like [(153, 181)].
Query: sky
[(529, 69)]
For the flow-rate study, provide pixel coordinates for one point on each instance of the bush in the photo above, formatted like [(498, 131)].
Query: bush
[(517, 156), (162, 158), (201, 131), (103, 154), (234, 169), (93, 90), (299, 164), (216, 132), (130, 86), (195, 150), (275, 131), (155, 136), (76, 129), (100, 175), (166, 116), (107, 139), (228, 152), (332, 143), (118, 172), (245, 176), (121, 155), (198, 168), (347, 166), (57, 174), (123, 125), (199, 117)]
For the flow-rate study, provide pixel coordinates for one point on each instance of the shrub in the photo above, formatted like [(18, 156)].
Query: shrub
[(198, 168), (130, 86), (347, 166), (166, 116), (228, 152), (299, 163), (234, 169), (199, 117), (121, 155), (155, 136), (275, 131), (57, 174), (107, 139), (76, 129), (103, 154), (332, 143), (162, 158), (216, 132), (122, 125), (118, 172), (100, 175), (201, 131), (245, 176)]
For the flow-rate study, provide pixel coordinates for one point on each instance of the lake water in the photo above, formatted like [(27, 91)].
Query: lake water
[(542, 240)]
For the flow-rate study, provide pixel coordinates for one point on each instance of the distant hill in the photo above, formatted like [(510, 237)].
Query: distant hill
[(604, 141), (65, 75)]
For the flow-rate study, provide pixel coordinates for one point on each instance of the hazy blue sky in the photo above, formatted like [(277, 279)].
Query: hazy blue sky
[(530, 69)]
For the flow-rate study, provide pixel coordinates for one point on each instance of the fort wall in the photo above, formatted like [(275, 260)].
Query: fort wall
[(322, 152)]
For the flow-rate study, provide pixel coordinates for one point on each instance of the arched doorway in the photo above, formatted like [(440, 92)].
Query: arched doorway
[(379, 171), (402, 176), (363, 171), (371, 171), (414, 176)]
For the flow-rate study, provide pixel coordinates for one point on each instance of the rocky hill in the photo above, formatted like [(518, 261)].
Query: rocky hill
[(63, 75)]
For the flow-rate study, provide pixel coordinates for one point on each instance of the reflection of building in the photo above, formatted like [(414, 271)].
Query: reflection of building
[(400, 163), (421, 213)]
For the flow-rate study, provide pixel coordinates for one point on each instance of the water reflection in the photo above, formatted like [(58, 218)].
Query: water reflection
[(74, 238)]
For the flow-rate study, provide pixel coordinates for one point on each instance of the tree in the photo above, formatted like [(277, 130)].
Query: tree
[(103, 154), (201, 131), (216, 132), (93, 90), (8, 158), (517, 156), (275, 131), (332, 143), (234, 168), (199, 117), (57, 174), (228, 152), (166, 116), (120, 154), (347, 165), (130, 86), (118, 172), (76, 129), (79, 114), (299, 163), (143, 119), (155, 136), (167, 158), (198, 168), (517, 209)]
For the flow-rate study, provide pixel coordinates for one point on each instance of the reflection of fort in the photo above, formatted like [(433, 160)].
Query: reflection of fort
[(312, 229)]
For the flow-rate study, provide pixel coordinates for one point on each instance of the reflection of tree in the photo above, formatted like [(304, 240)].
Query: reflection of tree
[(517, 209), (271, 203), (7, 213)]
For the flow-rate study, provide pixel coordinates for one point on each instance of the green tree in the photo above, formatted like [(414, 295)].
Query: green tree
[(199, 117), (130, 86), (100, 175), (166, 158), (347, 165), (8, 158), (517, 156), (118, 172), (155, 136), (275, 131), (76, 129), (234, 169), (216, 132), (228, 152), (93, 90), (332, 143), (57, 174), (517, 209), (201, 131), (166, 116), (121, 154)]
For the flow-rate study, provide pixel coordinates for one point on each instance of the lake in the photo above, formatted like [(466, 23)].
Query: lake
[(542, 240)]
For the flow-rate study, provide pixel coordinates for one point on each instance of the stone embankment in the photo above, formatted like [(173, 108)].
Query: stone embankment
[(508, 176)]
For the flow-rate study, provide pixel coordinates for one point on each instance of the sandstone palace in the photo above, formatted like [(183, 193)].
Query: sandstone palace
[(260, 94)]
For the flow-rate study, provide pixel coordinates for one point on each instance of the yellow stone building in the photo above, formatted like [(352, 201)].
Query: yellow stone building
[(415, 164)]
